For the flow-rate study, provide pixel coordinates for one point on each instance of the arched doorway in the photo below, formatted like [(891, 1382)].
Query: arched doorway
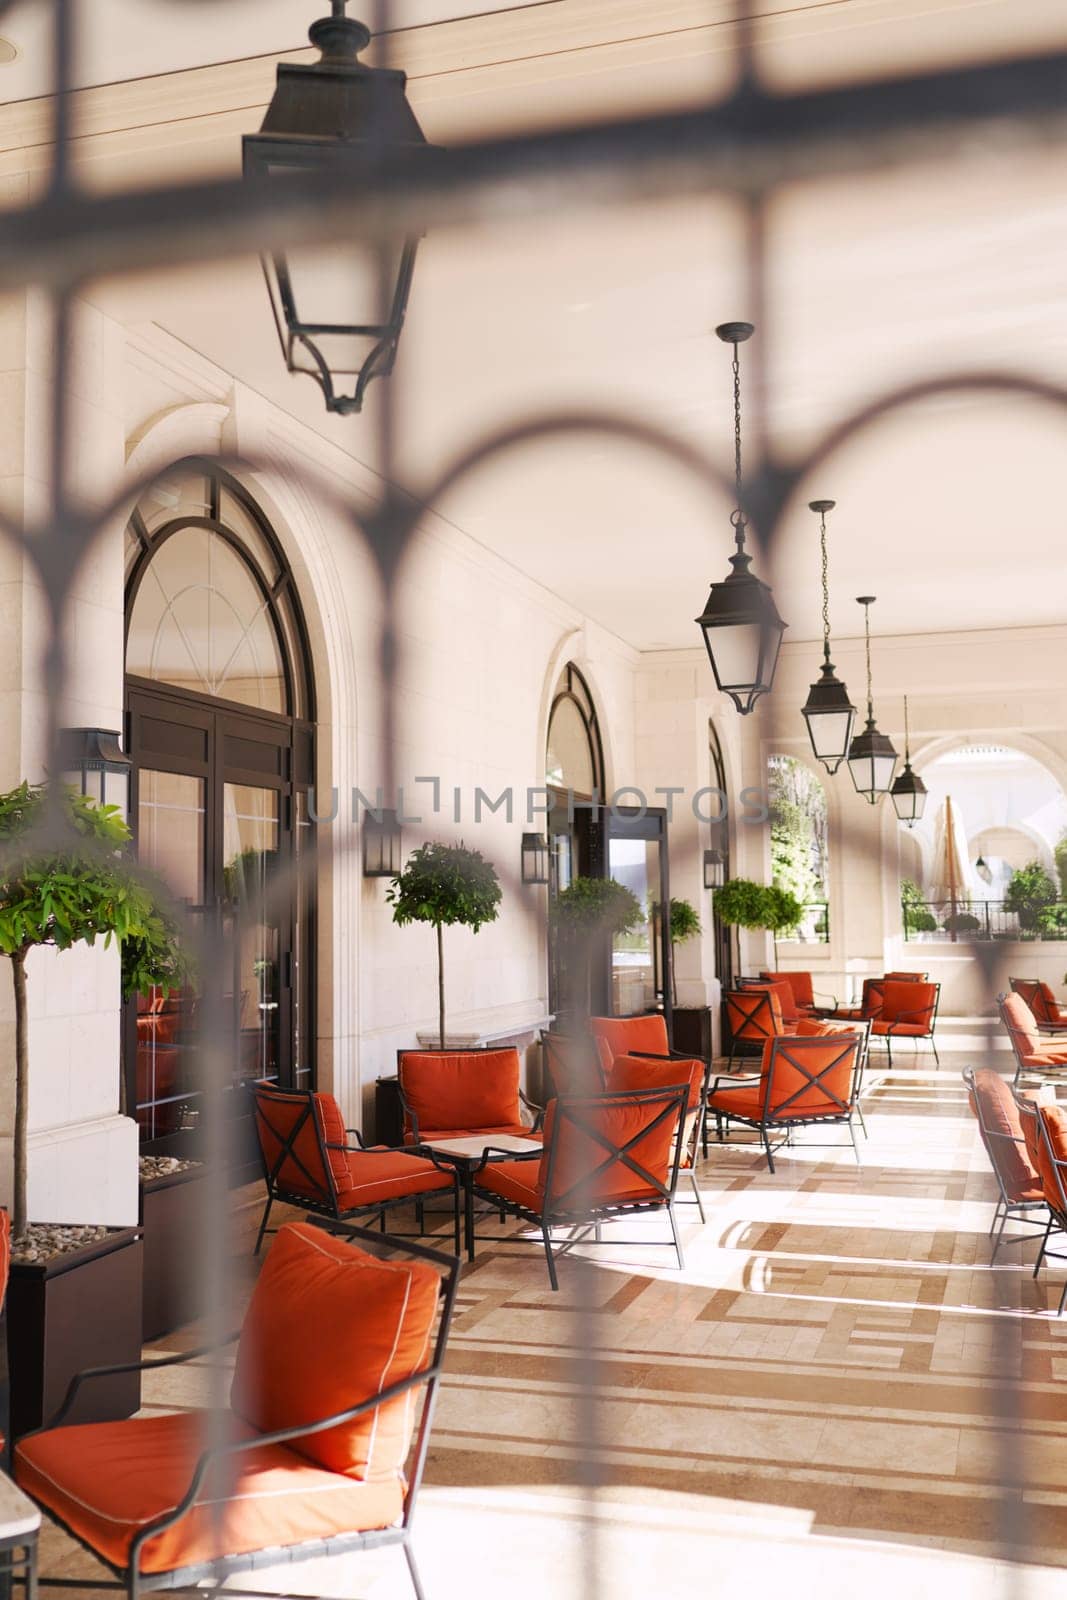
[(220, 729), (574, 778)]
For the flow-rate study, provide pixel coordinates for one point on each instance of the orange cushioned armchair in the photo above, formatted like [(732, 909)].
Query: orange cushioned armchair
[(1048, 1014), (646, 1036), (1000, 1125), (643, 1072), (1052, 1170), (1033, 1054), (804, 1081), (309, 1459), (803, 988), (908, 1011), (455, 1094), (309, 1161), (604, 1156)]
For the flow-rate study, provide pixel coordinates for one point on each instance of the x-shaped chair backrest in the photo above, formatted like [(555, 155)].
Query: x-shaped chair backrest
[(581, 1112), (792, 1052), (926, 1012), (751, 1014), (302, 1103)]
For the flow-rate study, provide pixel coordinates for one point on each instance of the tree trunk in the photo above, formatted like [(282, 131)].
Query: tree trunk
[(22, 1094), (441, 985)]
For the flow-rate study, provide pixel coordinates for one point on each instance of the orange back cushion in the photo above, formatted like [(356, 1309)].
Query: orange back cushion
[(1027, 988), (908, 1002), (999, 1113), (327, 1328), (577, 1156), (796, 1062), (303, 1171), (1053, 1121), (636, 1072), (462, 1088), (571, 1065), (623, 1035), (1044, 1004), (753, 1013), (1019, 1020), (799, 982), (905, 977), (783, 993)]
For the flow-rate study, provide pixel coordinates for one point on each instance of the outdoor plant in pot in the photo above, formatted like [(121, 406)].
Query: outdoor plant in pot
[(65, 880), (445, 885), (588, 911)]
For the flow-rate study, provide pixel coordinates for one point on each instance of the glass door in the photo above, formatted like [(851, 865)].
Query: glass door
[(636, 857)]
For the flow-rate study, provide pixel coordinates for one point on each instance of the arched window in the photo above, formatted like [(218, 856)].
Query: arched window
[(574, 758), (800, 853), (219, 708)]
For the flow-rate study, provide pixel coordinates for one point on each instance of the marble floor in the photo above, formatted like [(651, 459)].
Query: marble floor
[(838, 1395)]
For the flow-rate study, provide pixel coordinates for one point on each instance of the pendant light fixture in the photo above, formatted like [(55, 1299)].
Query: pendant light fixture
[(909, 791), (871, 756), (740, 623), (828, 711)]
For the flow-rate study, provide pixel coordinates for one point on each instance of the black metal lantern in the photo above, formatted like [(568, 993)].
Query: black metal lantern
[(714, 869), (382, 841), (329, 302), (909, 791), (740, 623), (984, 870), (872, 759), (828, 711), (534, 858), (94, 764)]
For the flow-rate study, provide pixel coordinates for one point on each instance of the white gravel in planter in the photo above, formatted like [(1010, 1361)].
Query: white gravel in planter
[(44, 1240), (163, 1167)]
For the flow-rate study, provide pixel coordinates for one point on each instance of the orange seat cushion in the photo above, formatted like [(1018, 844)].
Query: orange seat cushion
[(372, 1175), (1053, 1179), (625, 1036), (106, 1480), (1045, 1058), (358, 1324), (745, 1101), (637, 1072), (896, 1030), (473, 1089), (1000, 1115), (514, 1180)]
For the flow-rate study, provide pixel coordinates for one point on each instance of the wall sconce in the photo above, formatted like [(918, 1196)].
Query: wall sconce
[(382, 853), (714, 869), (95, 765), (534, 858)]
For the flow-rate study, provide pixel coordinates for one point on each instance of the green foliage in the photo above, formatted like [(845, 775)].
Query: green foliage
[(82, 889), (741, 903), (798, 829), (248, 874), (1060, 856), (1031, 887), (962, 922), (444, 884), (917, 919), (910, 893), (599, 905), (1052, 922), (685, 924)]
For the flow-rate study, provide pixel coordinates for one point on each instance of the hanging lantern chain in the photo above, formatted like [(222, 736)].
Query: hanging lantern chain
[(825, 590), (907, 738), (870, 687), (738, 517)]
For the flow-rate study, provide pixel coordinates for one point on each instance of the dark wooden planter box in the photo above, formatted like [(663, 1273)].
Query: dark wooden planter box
[(388, 1112), (76, 1311), (169, 1219), (691, 1030)]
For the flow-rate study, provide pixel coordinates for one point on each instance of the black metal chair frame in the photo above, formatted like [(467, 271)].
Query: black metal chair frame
[(787, 1047), (1014, 1210), (1043, 1025), (698, 1134), (409, 1111), (134, 1582), (582, 1216), (904, 1016), (324, 1202), (1057, 1208), (752, 1019)]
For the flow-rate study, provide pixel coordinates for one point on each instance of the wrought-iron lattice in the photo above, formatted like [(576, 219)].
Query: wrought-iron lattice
[(748, 144)]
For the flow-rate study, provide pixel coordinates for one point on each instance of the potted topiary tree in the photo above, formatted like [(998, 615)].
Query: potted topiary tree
[(61, 890), (741, 903), (589, 910), (445, 884)]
